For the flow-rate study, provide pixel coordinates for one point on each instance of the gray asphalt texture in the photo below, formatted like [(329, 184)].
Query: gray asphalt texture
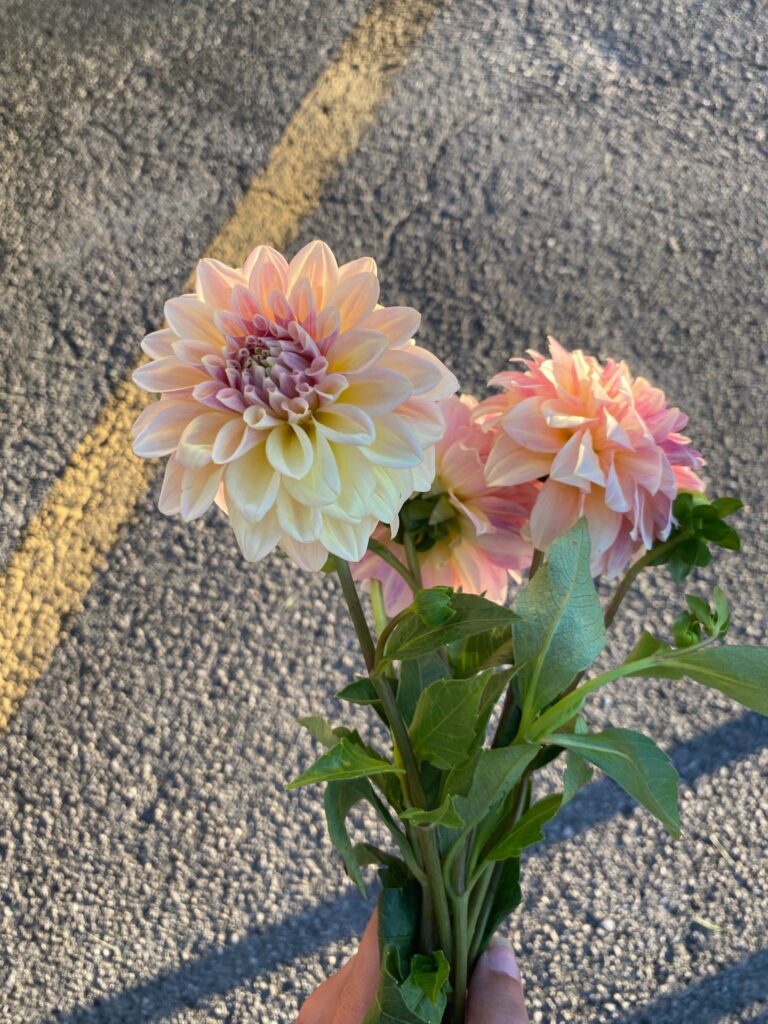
[(595, 171)]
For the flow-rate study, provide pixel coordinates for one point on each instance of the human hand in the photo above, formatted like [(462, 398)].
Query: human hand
[(495, 994)]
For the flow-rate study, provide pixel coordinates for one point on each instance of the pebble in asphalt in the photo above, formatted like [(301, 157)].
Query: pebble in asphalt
[(597, 172)]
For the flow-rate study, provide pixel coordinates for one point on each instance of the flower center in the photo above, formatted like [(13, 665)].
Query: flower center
[(277, 365)]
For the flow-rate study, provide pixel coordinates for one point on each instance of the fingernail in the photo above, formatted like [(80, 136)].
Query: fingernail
[(500, 957)]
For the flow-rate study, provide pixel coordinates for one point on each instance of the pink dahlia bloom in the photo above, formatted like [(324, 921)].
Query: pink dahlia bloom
[(471, 538), (294, 400), (607, 445)]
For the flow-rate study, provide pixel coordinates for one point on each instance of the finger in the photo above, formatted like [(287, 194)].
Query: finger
[(321, 1005), (496, 992), (358, 993)]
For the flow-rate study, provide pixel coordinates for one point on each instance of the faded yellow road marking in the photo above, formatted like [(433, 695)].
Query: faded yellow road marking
[(66, 543)]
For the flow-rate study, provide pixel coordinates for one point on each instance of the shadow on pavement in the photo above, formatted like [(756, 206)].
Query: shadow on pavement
[(220, 970), (224, 968), (709, 1000)]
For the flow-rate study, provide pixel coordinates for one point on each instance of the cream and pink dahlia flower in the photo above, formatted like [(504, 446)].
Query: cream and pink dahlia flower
[(468, 534), (294, 400), (606, 445)]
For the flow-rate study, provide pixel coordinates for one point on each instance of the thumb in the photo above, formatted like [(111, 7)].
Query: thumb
[(496, 992)]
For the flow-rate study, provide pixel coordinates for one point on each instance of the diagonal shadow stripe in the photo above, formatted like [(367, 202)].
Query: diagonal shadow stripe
[(709, 1000), (220, 970)]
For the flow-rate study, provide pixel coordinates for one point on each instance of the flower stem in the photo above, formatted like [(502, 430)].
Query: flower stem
[(412, 556), (356, 612), (413, 790), (386, 555), (461, 958), (634, 571), (380, 617)]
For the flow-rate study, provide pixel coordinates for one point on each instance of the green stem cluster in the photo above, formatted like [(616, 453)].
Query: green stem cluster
[(459, 887), (435, 896)]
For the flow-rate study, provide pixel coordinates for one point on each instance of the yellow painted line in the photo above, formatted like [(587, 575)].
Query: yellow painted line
[(66, 543)]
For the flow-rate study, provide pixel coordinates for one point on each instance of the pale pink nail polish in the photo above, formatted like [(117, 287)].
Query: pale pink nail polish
[(500, 957)]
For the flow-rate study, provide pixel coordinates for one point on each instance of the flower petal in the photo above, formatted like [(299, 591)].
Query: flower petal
[(168, 374), (602, 522), (345, 424), (509, 464), (377, 391), (159, 427), (528, 428), (310, 557), (289, 450), (355, 350), (556, 510), (303, 303), (356, 479), (170, 493), (256, 539), (425, 419), (577, 464), (302, 522), (251, 483), (192, 350), (233, 440), (191, 318), (268, 273), (347, 540), (395, 444), (158, 343), (198, 490), (355, 298), (196, 443), (321, 485), (365, 265), (215, 281), (430, 378), (317, 263), (398, 324)]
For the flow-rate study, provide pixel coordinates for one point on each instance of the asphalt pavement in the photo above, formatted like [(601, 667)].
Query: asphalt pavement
[(597, 171)]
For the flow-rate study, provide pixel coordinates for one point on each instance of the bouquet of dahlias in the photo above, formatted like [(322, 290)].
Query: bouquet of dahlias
[(303, 408)]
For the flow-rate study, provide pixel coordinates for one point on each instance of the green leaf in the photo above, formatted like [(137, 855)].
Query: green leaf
[(444, 725), (646, 647), (485, 780), (339, 798), (578, 773), (727, 506), (636, 763), (415, 676), (445, 815), (412, 637), (429, 974), (559, 628), (367, 853), (741, 673), (484, 650), (399, 910), (362, 691), (346, 760), (506, 900), (320, 730), (528, 830), (390, 1006)]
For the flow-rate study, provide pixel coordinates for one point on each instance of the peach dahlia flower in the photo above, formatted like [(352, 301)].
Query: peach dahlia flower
[(607, 443), (471, 536), (290, 397)]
